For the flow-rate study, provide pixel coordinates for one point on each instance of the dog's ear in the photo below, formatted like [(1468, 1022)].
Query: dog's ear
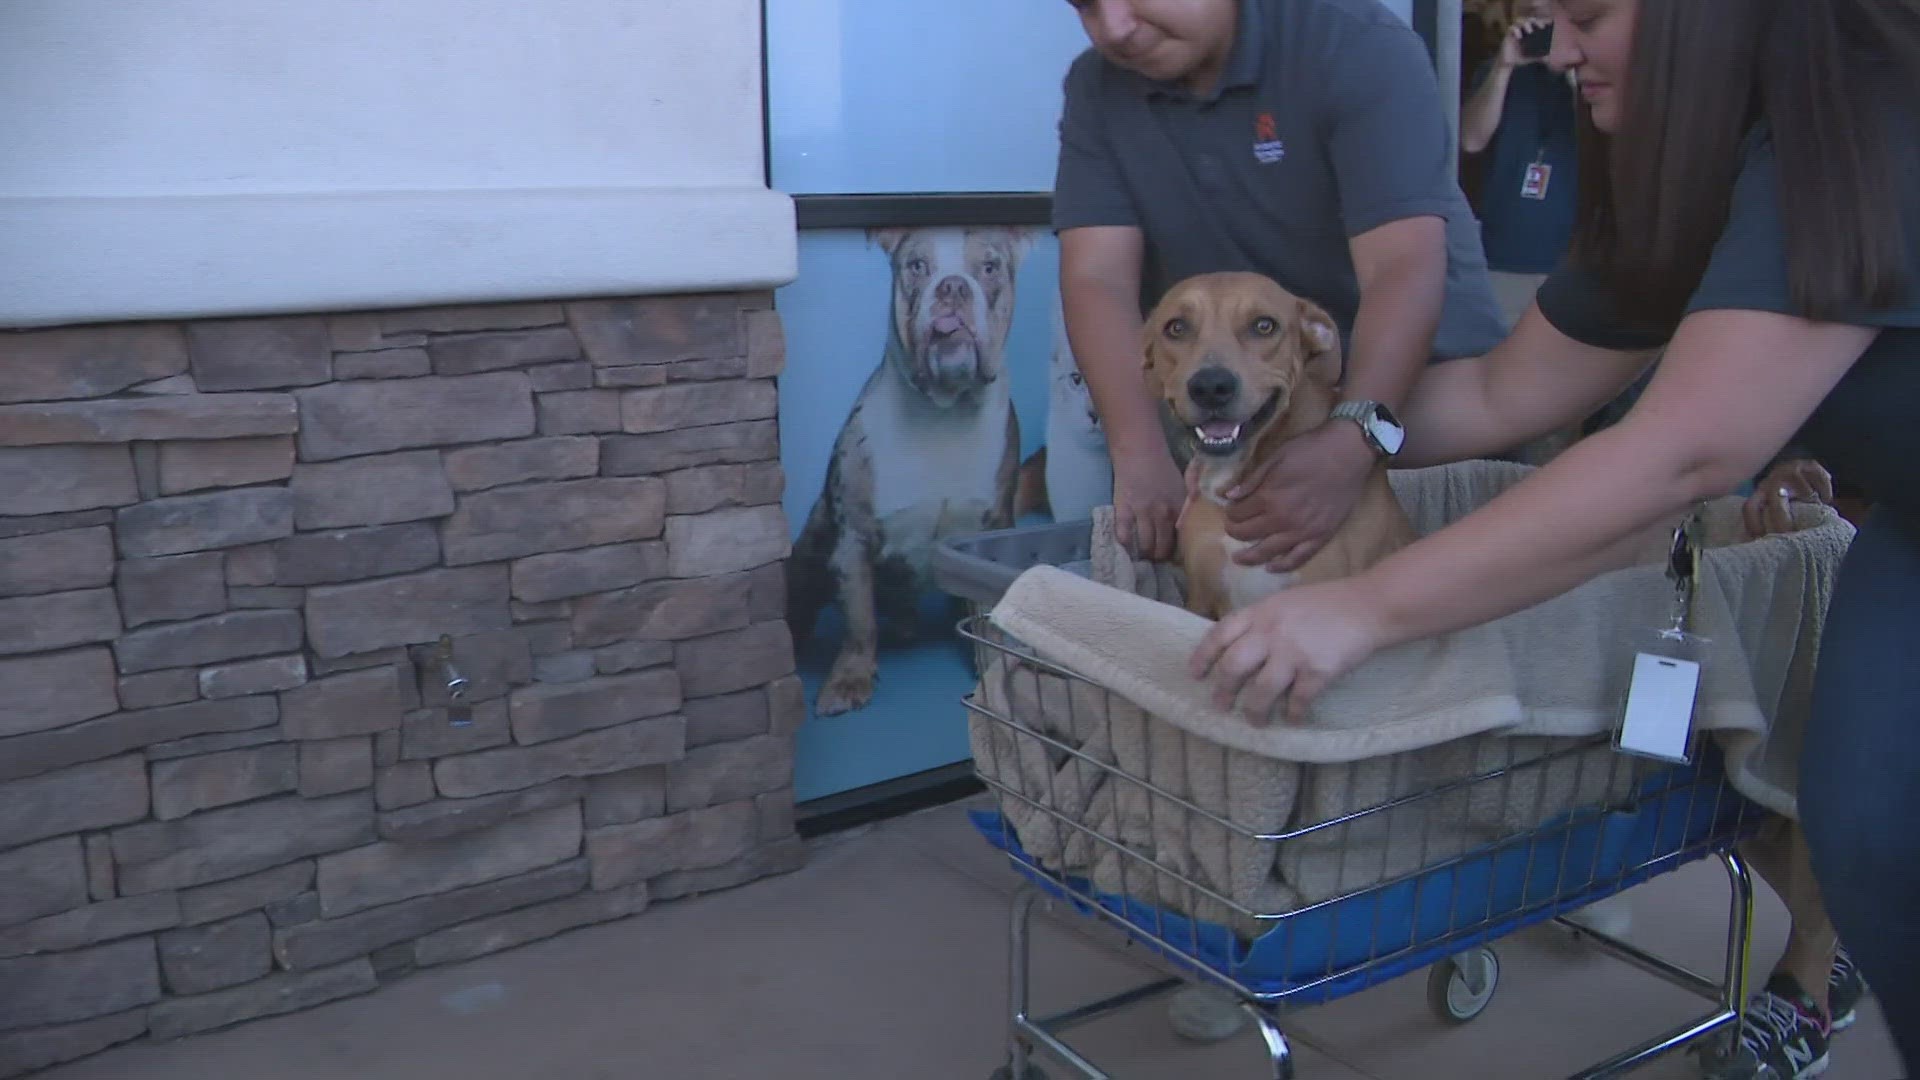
[(1019, 242), (1149, 348), (888, 238), (1321, 340)]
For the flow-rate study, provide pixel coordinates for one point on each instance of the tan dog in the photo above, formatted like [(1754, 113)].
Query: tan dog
[(1245, 365)]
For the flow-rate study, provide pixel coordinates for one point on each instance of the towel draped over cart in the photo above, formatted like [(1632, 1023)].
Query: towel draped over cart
[(1526, 693)]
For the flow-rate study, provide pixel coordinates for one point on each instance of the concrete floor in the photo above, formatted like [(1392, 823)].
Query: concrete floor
[(884, 959)]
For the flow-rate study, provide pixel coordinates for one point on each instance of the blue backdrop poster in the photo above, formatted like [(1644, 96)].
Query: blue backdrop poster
[(921, 363)]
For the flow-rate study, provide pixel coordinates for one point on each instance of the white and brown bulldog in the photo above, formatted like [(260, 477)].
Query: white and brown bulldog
[(929, 450)]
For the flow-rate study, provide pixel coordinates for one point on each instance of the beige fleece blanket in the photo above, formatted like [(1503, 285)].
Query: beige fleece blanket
[(1519, 694)]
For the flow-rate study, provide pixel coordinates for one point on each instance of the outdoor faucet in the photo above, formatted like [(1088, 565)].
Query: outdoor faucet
[(459, 713)]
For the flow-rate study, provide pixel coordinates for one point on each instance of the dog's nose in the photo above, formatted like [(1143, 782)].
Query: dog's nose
[(1213, 387), (954, 290)]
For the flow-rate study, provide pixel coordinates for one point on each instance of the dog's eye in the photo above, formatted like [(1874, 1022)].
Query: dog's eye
[(1265, 326), (917, 266), (1075, 379), (1176, 328), (990, 267)]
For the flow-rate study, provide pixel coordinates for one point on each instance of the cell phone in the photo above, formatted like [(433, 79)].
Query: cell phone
[(1536, 43)]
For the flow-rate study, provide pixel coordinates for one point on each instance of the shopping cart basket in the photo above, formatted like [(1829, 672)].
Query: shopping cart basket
[(1442, 914)]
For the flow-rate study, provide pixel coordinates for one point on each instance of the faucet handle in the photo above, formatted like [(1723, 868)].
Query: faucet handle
[(456, 683)]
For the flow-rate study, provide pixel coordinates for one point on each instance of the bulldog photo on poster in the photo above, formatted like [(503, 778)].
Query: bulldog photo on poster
[(969, 381), (930, 449)]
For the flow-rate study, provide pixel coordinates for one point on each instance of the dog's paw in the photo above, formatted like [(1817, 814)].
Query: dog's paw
[(843, 696), (848, 687)]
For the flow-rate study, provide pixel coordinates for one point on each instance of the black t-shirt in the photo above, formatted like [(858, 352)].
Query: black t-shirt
[(1868, 428)]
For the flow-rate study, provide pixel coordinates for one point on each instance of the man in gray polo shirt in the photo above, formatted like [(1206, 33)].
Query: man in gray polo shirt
[(1302, 139)]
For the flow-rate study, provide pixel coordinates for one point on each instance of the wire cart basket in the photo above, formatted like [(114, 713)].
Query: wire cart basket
[(1442, 914)]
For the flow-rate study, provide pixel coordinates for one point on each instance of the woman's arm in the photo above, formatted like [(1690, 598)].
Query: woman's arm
[(1534, 383), (1480, 116), (1733, 388)]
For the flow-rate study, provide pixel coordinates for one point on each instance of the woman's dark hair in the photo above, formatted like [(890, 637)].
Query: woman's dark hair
[(1824, 74)]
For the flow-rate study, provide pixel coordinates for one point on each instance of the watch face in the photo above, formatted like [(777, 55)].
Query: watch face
[(1390, 435), (1381, 426), (1386, 430)]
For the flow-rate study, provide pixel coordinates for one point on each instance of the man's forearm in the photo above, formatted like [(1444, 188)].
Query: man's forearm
[(1103, 326), (1393, 332), (1535, 382)]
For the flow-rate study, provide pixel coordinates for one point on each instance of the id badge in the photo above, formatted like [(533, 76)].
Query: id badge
[(1534, 185), (1656, 718), (1663, 684)]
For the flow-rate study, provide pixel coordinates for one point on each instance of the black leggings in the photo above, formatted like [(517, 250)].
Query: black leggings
[(1860, 769)]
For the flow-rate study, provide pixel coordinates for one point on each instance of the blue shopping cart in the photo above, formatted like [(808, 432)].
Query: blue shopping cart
[(1444, 915)]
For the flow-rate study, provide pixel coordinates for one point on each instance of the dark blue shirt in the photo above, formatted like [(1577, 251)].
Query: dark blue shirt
[(1525, 231)]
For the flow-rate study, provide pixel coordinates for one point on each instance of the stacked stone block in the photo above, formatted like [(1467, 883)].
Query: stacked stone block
[(233, 782)]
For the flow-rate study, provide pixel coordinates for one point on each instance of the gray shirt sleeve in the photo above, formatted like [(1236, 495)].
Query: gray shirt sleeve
[(1088, 188), (1385, 134)]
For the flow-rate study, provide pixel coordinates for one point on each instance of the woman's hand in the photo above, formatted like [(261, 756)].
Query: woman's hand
[(1291, 645), (1769, 509), (1510, 56)]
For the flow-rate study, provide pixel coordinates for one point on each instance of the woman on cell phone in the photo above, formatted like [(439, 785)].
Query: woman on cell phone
[(1750, 201), (1521, 122)]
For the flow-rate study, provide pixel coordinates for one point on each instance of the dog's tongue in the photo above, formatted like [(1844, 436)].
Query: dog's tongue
[(1219, 430), (946, 324)]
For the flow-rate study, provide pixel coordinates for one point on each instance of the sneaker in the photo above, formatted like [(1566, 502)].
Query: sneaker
[(1845, 987), (1784, 1037)]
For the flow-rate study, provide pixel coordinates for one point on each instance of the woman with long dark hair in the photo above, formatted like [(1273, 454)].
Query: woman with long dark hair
[(1750, 202)]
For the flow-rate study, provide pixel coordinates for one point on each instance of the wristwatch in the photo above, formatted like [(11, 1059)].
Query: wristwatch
[(1377, 422)]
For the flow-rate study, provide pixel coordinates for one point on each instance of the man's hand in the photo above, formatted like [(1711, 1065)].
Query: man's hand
[(1294, 503), (1148, 496)]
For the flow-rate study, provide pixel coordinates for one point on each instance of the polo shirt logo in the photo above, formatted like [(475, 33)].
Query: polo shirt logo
[(1267, 147)]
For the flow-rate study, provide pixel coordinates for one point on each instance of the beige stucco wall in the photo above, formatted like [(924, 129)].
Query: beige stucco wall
[(191, 158)]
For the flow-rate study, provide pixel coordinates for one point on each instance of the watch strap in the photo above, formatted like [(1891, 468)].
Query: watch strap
[(1358, 411), (1363, 414)]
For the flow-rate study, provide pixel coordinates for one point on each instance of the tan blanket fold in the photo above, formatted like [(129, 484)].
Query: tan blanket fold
[(1409, 720)]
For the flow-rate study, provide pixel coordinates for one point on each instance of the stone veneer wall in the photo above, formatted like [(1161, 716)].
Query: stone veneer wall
[(229, 786)]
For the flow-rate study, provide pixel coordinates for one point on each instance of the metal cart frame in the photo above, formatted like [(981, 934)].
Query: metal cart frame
[(1463, 970)]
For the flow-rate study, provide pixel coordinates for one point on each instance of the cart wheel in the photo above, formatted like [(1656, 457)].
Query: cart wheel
[(1460, 988), (1005, 1072)]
